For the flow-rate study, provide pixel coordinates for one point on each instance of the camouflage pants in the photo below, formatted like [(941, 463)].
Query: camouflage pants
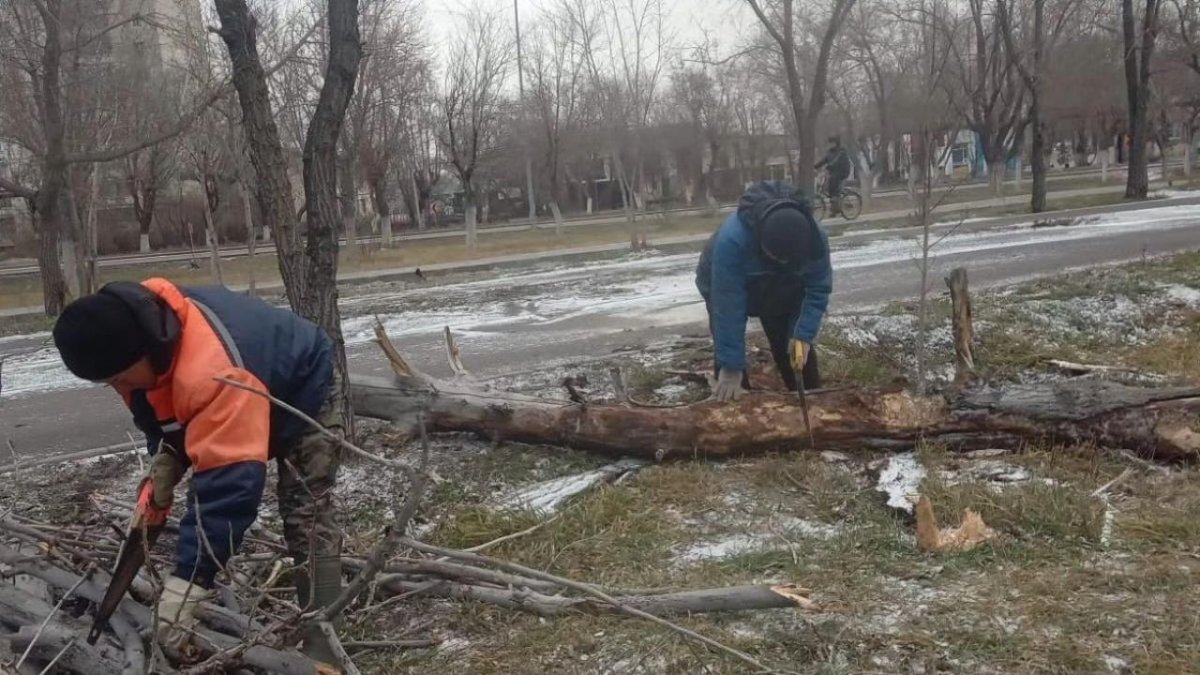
[(307, 473)]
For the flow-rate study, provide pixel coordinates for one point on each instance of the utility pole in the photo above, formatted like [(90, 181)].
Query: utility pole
[(521, 90)]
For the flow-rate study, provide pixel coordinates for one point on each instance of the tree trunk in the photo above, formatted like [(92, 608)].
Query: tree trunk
[(558, 219), (418, 209), (962, 326), (347, 198), (1188, 150), (1037, 152), (1137, 60), (74, 254), (472, 224), (319, 302), (383, 210), (251, 235), (48, 201), (273, 189), (214, 247), (996, 175), (1152, 422), (90, 228)]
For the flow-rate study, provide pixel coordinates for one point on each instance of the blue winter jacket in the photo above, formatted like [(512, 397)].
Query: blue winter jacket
[(737, 281)]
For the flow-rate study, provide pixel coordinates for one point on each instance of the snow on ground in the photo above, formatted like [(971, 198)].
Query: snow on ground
[(775, 535), (36, 370)]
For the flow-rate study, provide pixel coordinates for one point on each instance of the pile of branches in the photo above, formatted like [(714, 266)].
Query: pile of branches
[(54, 575)]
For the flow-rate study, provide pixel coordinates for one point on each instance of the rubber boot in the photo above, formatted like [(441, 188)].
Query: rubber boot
[(325, 585)]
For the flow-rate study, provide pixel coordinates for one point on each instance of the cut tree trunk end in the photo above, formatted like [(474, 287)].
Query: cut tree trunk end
[(962, 327), (1159, 423)]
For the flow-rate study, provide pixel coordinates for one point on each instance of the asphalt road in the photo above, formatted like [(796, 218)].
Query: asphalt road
[(521, 320)]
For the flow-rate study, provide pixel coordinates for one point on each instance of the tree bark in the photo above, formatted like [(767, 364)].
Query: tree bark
[(251, 234), (962, 327), (347, 197), (48, 202), (383, 210), (319, 299), (273, 189), (214, 246), (1154, 422), (1137, 60)]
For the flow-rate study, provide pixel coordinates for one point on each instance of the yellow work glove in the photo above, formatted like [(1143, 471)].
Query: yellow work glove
[(798, 350), (177, 611)]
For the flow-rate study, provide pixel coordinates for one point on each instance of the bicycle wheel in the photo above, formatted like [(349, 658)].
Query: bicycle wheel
[(818, 207), (851, 204)]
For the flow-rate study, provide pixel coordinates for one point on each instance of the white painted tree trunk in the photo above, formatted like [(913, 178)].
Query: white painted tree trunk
[(558, 219), (214, 249), (1188, 151), (251, 236), (472, 228), (412, 180), (589, 205), (144, 243), (385, 230), (70, 263)]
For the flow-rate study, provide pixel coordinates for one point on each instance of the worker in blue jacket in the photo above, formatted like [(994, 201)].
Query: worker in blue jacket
[(770, 260)]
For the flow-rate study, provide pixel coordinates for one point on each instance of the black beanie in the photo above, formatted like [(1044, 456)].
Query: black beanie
[(98, 336), (786, 234)]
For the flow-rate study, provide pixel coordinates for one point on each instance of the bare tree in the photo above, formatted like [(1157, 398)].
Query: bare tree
[(45, 40), (806, 101), (554, 68), (392, 78), (626, 46), (1040, 43), (309, 274), (1139, 33), (703, 93), (472, 103)]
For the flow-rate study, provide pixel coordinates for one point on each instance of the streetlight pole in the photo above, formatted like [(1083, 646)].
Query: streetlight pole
[(525, 146)]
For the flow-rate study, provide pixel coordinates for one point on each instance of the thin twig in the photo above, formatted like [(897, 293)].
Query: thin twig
[(399, 466), (363, 645), (589, 590), (1104, 488)]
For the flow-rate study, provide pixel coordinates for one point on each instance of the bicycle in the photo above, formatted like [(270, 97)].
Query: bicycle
[(850, 199)]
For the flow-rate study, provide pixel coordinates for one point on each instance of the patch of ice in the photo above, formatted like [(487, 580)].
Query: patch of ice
[(900, 479), (36, 371), (766, 537), (454, 644), (671, 392), (725, 548), (549, 496), (1115, 664), (1182, 294)]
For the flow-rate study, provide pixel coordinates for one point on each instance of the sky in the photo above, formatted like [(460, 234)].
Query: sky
[(726, 20)]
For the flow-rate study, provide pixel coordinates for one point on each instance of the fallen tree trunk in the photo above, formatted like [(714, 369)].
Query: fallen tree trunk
[(1160, 423), (731, 599)]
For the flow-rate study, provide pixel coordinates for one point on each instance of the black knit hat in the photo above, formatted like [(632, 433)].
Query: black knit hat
[(99, 336), (786, 234)]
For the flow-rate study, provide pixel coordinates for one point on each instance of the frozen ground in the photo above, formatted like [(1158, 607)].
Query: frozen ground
[(1076, 583)]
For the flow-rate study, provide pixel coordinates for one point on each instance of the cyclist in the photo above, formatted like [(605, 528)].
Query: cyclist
[(838, 166)]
